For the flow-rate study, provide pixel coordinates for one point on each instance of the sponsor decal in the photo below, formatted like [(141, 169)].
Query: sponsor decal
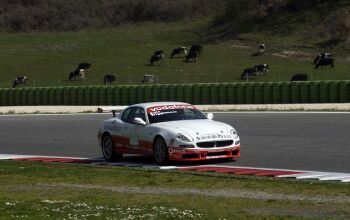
[(213, 136), (168, 107), (162, 113)]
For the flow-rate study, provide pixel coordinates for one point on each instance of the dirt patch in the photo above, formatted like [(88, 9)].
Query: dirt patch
[(241, 46), (293, 54)]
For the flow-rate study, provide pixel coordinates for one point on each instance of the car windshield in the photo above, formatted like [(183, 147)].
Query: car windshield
[(164, 113)]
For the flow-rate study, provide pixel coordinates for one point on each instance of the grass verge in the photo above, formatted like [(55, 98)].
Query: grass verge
[(35, 190)]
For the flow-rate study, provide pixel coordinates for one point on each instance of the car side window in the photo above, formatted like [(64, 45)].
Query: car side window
[(140, 113), (126, 114), (137, 113)]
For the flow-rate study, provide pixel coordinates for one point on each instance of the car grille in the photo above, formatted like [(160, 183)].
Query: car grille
[(211, 144)]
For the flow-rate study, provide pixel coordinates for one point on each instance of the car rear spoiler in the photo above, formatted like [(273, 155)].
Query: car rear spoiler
[(112, 109)]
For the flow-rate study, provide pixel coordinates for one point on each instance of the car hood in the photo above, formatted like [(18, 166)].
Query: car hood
[(200, 128)]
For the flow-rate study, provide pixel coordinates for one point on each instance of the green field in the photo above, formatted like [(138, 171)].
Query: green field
[(33, 190), (47, 58)]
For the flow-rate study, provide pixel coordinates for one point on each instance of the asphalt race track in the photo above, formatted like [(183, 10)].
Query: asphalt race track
[(304, 141)]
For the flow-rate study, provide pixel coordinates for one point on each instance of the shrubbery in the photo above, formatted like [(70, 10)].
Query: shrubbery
[(329, 19), (65, 15)]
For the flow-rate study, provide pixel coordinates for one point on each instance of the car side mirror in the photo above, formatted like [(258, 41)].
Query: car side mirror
[(139, 121), (210, 116)]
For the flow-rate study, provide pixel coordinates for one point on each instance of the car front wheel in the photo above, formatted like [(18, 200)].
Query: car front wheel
[(160, 152), (108, 151)]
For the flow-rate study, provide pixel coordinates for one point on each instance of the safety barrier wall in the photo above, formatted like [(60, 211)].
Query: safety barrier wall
[(216, 93)]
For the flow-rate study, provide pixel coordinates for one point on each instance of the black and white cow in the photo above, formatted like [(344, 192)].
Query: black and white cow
[(109, 78), (180, 51), (249, 73), (327, 61), (147, 79), (19, 80), (322, 56), (262, 69), (198, 49), (159, 53), (261, 49), (79, 72), (192, 56), (156, 57), (299, 77), (84, 66)]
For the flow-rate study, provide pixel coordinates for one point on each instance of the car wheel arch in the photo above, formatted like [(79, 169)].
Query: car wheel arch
[(156, 137), (156, 150), (104, 134)]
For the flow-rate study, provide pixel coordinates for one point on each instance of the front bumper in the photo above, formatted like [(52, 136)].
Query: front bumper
[(197, 154)]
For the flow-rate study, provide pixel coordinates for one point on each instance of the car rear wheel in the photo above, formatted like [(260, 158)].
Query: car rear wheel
[(108, 151), (160, 152)]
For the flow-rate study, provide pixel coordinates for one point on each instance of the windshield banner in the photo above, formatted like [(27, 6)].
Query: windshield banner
[(161, 108)]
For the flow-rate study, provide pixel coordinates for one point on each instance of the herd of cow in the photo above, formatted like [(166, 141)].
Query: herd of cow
[(79, 73), (321, 60), (179, 52)]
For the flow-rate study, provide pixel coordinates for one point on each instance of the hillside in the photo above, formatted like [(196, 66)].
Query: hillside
[(48, 57), (318, 24), (72, 15), (292, 36)]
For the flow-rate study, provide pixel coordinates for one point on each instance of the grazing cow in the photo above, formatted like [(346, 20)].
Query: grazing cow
[(299, 77), (84, 66), (192, 55), (180, 51), (77, 74), (147, 79), (249, 73), (159, 53), (198, 49), (109, 78), (327, 61), (19, 80), (261, 49), (322, 56), (157, 56), (262, 69)]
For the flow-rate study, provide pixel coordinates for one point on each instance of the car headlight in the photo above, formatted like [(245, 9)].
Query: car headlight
[(184, 138), (234, 133)]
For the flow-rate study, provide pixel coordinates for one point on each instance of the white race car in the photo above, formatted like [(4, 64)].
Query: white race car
[(167, 131)]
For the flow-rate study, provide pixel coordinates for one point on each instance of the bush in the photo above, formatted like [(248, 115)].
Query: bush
[(65, 15), (338, 25)]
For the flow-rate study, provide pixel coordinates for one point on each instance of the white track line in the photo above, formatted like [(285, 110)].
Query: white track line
[(14, 156)]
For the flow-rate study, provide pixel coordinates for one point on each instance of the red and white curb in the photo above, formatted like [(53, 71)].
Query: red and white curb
[(236, 170), (276, 173)]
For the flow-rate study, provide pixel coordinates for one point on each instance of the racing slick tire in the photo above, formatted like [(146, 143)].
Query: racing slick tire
[(160, 151), (108, 151)]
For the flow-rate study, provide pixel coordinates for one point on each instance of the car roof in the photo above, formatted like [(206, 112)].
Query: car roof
[(151, 104)]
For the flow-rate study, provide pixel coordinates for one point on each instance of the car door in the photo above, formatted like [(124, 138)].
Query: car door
[(134, 132), (123, 129)]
